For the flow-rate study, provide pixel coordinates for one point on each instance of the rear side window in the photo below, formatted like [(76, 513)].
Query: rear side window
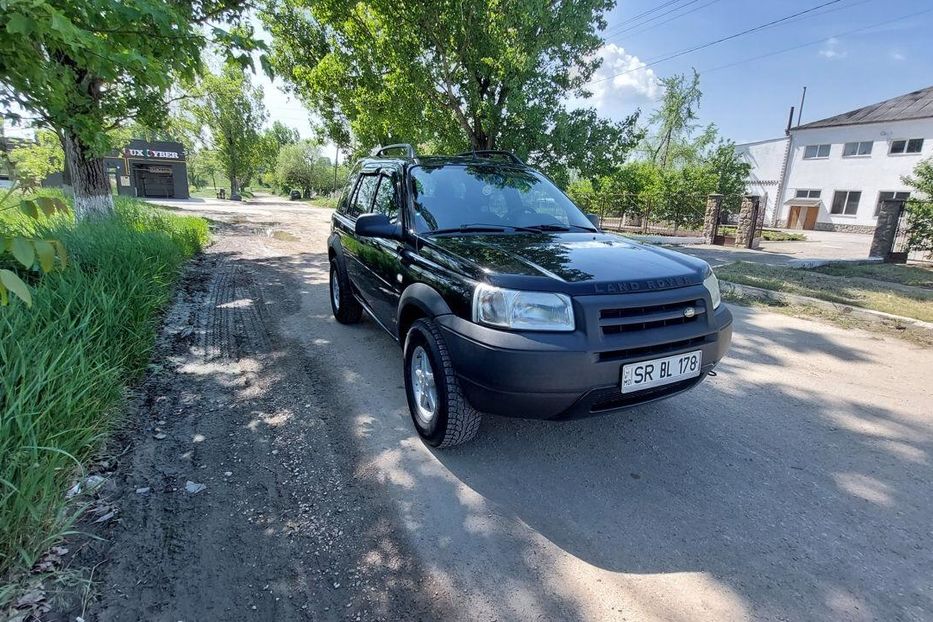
[(386, 201), (362, 199)]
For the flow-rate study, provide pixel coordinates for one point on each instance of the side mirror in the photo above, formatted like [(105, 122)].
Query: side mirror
[(378, 226), (594, 218)]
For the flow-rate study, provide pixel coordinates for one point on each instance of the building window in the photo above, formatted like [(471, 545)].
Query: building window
[(816, 151), (890, 196), (846, 202), (857, 149), (911, 145), (808, 194)]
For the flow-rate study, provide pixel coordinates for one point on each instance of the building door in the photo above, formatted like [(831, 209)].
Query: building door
[(793, 217), (810, 222), (155, 182)]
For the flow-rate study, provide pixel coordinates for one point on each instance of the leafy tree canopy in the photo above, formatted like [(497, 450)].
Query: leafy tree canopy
[(232, 109), (489, 74)]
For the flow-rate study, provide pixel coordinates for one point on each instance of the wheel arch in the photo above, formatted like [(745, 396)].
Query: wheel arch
[(418, 301)]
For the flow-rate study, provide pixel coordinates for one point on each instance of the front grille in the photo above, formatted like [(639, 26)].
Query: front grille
[(614, 321), (662, 348)]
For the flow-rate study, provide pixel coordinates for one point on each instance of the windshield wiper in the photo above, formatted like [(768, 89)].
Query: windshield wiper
[(476, 228), (547, 227)]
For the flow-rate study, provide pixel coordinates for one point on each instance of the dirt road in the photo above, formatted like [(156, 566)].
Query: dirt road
[(795, 485)]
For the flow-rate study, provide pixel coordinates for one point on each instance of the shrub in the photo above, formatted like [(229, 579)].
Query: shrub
[(67, 359)]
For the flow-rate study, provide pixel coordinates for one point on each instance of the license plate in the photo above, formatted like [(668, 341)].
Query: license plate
[(657, 372)]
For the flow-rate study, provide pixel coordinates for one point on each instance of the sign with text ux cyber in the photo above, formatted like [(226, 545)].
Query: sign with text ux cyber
[(133, 152), (657, 372)]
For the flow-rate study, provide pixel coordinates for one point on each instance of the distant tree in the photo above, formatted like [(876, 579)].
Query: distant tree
[(273, 139), (920, 208), (452, 75), (671, 139), (33, 162), (232, 110), (294, 169), (731, 173), (84, 67)]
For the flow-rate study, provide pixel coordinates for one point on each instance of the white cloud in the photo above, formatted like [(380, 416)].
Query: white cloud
[(832, 51), (622, 76), (898, 56), (621, 85)]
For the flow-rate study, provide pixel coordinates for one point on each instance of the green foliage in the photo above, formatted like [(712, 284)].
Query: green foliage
[(31, 253), (301, 166), (57, 403), (920, 209), (83, 65), (33, 162), (232, 109), (731, 174), (451, 75), (671, 140)]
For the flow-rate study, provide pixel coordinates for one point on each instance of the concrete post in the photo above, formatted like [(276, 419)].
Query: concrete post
[(748, 222), (883, 241), (711, 219)]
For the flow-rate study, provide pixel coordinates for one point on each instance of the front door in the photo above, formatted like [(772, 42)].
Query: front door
[(812, 213), (381, 258), (794, 217)]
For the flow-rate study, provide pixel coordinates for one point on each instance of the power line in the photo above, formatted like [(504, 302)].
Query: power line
[(643, 14), (717, 41), (657, 8), (817, 41), (676, 17), (629, 28)]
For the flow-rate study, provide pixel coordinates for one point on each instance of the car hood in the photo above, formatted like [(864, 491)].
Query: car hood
[(569, 261)]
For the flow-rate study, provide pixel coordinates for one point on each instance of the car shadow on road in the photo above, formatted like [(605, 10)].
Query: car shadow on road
[(795, 501)]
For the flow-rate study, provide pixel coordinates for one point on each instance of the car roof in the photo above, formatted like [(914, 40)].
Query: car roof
[(438, 160)]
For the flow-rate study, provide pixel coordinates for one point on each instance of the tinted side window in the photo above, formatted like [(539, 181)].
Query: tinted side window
[(386, 201), (343, 207), (363, 198)]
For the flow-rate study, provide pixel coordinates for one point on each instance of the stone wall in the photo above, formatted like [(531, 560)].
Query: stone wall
[(711, 219), (828, 226), (746, 227)]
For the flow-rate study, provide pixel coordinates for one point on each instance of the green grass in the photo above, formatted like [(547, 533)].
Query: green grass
[(67, 360), (892, 273), (770, 235), (916, 303)]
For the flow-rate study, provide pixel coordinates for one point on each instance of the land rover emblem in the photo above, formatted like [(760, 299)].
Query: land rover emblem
[(690, 312)]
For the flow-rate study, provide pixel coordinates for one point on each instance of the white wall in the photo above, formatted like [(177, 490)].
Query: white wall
[(766, 158), (869, 174)]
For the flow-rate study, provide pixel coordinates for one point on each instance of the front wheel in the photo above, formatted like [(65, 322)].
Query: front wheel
[(439, 410)]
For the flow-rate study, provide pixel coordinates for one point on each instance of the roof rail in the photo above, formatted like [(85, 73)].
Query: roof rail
[(488, 153), (409, 150)]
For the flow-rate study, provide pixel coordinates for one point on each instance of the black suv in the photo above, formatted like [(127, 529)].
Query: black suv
[(507, 299)]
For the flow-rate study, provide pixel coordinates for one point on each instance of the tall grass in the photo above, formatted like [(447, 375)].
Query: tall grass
[(64, 362)]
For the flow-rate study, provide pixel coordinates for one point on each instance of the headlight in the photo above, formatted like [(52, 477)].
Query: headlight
[(506, 308), (711, 283)]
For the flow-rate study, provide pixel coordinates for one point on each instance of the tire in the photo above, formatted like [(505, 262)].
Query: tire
[(346, 308), (454, 420)]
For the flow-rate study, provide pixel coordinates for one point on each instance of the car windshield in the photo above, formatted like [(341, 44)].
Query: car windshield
[(485, 198)]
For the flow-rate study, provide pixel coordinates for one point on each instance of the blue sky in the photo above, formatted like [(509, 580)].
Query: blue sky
[(750, 100)]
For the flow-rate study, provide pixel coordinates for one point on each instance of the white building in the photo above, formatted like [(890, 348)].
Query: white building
[(835, 172)]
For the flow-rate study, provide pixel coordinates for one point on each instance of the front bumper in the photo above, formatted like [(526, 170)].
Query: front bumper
[(568, 375)]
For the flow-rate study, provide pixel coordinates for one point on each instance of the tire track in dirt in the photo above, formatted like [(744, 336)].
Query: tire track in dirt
[(285, 529)]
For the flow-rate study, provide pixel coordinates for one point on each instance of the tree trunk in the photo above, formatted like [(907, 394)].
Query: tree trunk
[(92, 198)]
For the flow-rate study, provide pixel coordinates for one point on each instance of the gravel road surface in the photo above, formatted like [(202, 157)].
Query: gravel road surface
[(795, 485)]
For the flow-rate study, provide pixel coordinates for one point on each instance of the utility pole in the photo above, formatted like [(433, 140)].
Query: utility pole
[(336, 159), (803, 98)]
